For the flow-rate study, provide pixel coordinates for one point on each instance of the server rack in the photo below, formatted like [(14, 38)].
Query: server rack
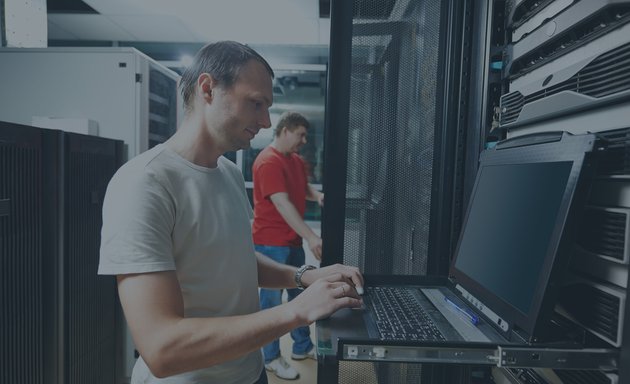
[(569, 72), (400, 127), (60, 319), (477, 108), (142, 106)]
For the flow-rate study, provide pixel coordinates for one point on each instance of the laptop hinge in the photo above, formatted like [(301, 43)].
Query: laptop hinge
[(558, 358)]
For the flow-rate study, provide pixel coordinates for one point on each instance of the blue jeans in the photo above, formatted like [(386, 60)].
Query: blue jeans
[(270, 298)]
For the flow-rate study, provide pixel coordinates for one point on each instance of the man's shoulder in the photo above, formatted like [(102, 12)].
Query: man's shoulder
[(267, 156), (148, 167)]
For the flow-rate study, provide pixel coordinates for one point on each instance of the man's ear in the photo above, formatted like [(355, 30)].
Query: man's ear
[(206, 85)]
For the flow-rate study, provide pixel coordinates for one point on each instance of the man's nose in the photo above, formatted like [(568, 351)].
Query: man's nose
[(265, 122)]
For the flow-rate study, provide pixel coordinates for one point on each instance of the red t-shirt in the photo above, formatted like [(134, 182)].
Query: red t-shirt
[(274, 172)]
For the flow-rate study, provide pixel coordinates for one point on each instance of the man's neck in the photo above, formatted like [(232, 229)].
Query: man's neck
[(277, 145), (193, 143)]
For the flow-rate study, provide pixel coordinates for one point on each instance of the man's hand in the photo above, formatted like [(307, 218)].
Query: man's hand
[(324, 297), (320, 199), (315, 245), (338, 273)]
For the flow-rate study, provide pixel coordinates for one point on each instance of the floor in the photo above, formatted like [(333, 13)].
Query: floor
[(308, 367)]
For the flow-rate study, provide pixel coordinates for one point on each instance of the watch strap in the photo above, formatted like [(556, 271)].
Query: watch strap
[(298, 275)]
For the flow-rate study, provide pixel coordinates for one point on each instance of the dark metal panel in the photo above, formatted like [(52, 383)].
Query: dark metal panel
[(336, 130), (477, 118), (89, 299), (452, 120), (24, 329)]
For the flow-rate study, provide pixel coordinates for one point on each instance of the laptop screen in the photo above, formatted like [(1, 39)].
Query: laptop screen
[(509, 228), (514, 225)]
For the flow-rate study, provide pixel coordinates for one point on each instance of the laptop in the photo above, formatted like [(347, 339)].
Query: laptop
[(514, 244)]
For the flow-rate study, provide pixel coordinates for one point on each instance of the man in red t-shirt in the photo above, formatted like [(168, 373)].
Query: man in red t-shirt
[(281, 189)]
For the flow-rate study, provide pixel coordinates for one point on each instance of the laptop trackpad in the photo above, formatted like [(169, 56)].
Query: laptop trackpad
[(462, 324)]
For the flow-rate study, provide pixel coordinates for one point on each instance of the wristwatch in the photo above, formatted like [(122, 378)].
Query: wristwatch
[(299, 272)]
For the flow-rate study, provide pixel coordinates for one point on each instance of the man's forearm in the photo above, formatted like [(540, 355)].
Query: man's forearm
[(272, 274), (194, 343), (171, 343), (291, 216)]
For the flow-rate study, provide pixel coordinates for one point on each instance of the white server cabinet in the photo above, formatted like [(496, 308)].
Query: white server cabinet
[(130, 96)]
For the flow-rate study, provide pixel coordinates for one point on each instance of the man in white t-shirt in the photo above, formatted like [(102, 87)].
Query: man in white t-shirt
[(177, 234)]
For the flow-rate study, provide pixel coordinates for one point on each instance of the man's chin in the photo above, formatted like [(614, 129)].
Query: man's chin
[(246, 145)]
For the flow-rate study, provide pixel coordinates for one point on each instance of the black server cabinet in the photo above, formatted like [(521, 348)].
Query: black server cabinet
[(89, 301), (29, 254), (416, 91), (58, 319), (399, 123)]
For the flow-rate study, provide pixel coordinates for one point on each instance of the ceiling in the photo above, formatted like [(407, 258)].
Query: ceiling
[(286, 32)]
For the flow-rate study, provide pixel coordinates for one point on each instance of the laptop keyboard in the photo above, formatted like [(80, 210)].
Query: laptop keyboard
[(399, 316)]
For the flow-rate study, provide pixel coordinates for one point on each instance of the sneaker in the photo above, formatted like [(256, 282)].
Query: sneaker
[(282, 369), (308, 355)]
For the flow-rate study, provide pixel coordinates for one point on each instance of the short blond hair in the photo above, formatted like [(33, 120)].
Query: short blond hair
[(291, 120)]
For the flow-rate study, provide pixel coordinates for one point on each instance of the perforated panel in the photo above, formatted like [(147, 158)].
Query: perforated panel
[(405, 373), (90, 300), (21, 318), (391, 138), (376, 373)]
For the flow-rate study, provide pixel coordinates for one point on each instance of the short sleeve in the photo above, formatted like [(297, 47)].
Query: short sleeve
[(270, 179), (138, 220)]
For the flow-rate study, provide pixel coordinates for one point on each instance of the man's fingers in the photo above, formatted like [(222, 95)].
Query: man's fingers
[(342, 290), (333, 278)]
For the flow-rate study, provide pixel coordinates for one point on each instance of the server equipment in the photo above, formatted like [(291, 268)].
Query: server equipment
[(579, 69), (129, 95), (511, 68), (59, 323)]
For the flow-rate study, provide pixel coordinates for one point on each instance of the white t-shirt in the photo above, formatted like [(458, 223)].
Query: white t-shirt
[(162, 212)]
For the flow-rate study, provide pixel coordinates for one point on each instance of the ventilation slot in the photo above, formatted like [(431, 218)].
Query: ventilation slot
[(595, 309), (606, 75), (511, 106), (604, 234), (597, 25), (90, 304), (583, 377), (616, 159), (162, 107), (21, 292)]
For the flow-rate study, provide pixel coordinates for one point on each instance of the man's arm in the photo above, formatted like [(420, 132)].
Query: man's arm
[(274, 275), (292, 217), (171, 344)]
